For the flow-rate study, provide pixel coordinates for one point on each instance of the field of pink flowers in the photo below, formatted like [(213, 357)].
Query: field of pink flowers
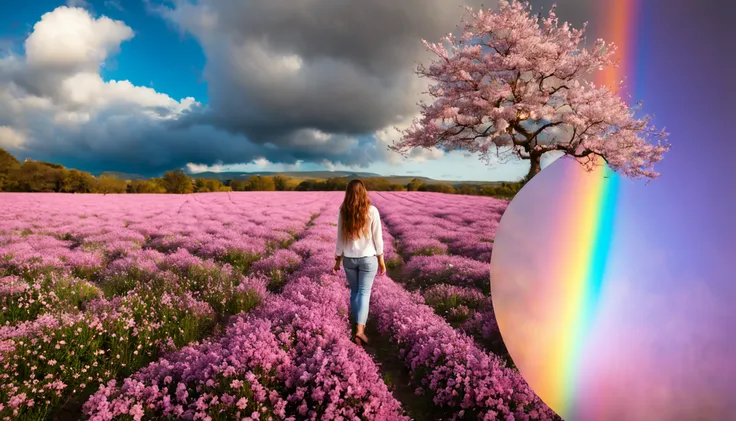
[(442, 245), (223, 306)]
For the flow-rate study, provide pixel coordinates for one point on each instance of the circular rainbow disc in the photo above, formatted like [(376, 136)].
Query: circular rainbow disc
[(610, 306)]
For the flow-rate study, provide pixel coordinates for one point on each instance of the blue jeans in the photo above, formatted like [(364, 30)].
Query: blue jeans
[(361, 272)]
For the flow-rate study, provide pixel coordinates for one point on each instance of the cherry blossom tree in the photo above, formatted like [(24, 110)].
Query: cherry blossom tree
[(513, 84)]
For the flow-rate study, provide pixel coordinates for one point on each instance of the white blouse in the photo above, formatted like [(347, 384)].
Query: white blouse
[(366, 245)]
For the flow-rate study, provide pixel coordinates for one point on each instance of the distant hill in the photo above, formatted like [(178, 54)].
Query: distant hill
[(308, 175), (294, 174), (406, 179), (121, 175), (321, 175)]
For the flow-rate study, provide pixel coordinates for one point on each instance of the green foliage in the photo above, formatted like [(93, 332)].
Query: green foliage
[(381, 184), (33, 176), (42, 292), (336, 184), (258, 183), (239, 260), (177, 182), (414, 185), (438, 188), (160, 183), (504, 190), (238, 185), (429, 251), (199, 185), (394, 262), (205, 185), (307, 185), (38, 176), (468, 190), (113, 185), (281, 182), (7, 160), (51, 164), (8, 163), (242, 301), (131, 342), (154, 185), (341, 183), (77, 181)]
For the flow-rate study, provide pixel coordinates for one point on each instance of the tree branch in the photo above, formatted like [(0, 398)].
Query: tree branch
[(548, 125)]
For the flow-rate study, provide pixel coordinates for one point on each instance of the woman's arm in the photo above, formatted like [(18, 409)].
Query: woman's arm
[(339, 249), (339, 246), (377, 232)]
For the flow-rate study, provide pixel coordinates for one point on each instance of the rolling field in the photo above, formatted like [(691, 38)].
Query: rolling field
[(220, 306)]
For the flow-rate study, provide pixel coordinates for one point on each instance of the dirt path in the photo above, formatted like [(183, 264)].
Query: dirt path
[(396, 376)]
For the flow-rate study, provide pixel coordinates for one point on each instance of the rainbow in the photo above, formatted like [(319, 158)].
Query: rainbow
[(621, 25), (586, 231), (587, 227)]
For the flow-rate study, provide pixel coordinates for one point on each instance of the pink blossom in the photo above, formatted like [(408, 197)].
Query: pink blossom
[(513, 84)]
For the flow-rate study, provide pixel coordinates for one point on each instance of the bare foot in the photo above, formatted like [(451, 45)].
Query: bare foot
[(362, 337)]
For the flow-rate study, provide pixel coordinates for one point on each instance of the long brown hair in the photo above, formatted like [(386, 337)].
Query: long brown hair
[(354, 210)]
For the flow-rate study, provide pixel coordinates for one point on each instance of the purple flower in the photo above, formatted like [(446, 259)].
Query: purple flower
[(456, 270), (170, 266)]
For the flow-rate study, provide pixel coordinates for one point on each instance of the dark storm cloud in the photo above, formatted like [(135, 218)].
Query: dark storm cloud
[(339, 67), (279, 70), (141, 146), (275, 67), (575, 12), (288, 81)]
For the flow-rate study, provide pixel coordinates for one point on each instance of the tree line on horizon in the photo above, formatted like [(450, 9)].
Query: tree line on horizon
[(39, 176)]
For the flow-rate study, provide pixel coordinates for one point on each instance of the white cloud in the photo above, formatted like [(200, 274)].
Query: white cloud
[(262, 162), (11, 138), (320, 136), (329, 165), (284, 98), (71, 39), (310, 137), (90, 91), (388, 135), (198, 168), (292, 167), (200, 21), (71, 118), (259, 63), (259, 164), (57, 84)]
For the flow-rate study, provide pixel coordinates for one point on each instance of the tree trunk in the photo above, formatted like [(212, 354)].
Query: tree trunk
[(535, 166)]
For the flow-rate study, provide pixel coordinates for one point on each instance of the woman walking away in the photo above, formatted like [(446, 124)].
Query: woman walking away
[(360, 250)]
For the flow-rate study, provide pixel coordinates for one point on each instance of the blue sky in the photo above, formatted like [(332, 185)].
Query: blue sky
[(174, 55), (158, 55)]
